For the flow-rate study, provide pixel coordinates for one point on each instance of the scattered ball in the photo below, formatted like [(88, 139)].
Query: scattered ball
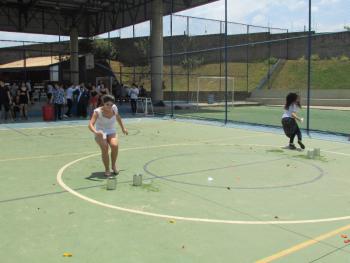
[(67, 254), (347, 241), (172, 221)]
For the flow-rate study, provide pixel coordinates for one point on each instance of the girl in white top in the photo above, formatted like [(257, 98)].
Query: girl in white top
[(289, 119), (103, 125)]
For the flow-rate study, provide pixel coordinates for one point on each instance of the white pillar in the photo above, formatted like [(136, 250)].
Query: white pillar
[(157, 51), (74, 56)]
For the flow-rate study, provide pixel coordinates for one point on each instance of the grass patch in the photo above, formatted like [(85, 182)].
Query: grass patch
[(326, 74)]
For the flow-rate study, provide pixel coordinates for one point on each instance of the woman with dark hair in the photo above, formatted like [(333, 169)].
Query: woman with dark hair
[(93, 102), (5, 101), (102, 91), (24, 100), (290, 118), (103, 125)]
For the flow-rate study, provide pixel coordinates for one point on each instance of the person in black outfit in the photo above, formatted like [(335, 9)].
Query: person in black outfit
[(24, 100), (5, 101), (83, 101), (290, 118), (143, 92)]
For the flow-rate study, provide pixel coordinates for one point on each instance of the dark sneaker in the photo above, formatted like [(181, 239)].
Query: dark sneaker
[(292, 146), (302, 146)]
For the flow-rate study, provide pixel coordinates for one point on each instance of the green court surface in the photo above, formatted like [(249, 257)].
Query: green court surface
[(209, 194), (337, 121)]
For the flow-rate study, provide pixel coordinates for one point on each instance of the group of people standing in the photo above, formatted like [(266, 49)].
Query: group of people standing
[(14, 100), (82, 99)]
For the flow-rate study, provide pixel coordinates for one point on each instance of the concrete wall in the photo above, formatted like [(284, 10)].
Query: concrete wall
[(331, 45)]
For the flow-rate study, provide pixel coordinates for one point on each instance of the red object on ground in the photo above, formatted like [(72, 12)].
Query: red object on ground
[(346, 241), (48, 112)]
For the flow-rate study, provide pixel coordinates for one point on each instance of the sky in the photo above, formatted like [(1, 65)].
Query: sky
[(328, 16)]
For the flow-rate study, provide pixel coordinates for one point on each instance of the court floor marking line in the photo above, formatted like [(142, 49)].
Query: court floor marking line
[(44, 127), (303, 245), (44, 156), (124, 149), (7, 128), (180, 218), (279, 147), (135, 148)]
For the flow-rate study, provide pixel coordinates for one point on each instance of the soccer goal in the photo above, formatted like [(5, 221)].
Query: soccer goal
[(144, 106), (211, 90)]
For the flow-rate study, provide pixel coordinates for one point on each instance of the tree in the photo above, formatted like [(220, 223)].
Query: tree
[(143, 48), (347, 28), (104, 49), (190, 62)]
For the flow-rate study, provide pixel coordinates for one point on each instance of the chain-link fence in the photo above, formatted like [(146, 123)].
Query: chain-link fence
[(262, 65)]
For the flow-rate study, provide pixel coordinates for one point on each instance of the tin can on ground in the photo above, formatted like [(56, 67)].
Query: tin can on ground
[(317, 152), (137, 179), (111, 183), (310, 154)]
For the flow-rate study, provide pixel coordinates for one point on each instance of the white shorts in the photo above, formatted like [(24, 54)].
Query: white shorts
[(108, 132)]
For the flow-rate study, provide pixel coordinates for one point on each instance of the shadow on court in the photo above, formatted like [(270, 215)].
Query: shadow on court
[(96, 176)]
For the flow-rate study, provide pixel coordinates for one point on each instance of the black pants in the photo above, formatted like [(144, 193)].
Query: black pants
[(5, 109), (15, 111), (58, 111), (133, 105), (296, 133), (69, 105), (291, 129), (82, 109)]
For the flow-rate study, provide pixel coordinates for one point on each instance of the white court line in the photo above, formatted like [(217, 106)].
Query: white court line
[(52, 127), (44, 127), (43, 156), (279, 147), (165, 145), (180, 218)]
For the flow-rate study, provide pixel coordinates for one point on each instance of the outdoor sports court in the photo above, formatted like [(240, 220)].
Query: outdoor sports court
[(210, 193)]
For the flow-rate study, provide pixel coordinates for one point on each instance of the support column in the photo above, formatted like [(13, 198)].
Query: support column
[(74, 56), (157, 51)]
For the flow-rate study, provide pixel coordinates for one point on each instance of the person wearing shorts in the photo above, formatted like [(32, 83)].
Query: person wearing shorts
[(103, 125)]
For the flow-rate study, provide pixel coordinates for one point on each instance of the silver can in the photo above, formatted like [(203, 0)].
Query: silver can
[(111, 183), (317, 152), (137, 179), (310, 154)]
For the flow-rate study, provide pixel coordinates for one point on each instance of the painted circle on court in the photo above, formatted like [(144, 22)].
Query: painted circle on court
[(65, 133), (177, 217), (229, 167)]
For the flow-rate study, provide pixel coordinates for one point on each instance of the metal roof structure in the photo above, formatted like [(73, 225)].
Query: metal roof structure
[(90, 17)]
